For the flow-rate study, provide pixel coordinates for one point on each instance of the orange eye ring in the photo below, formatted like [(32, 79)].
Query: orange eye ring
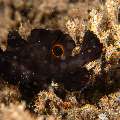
[(58, 50)]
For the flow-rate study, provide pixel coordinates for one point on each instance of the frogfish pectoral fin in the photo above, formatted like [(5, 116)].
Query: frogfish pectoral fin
[(91, 49)]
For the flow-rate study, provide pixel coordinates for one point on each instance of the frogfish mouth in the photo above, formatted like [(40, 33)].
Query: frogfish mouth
[(46, 55)]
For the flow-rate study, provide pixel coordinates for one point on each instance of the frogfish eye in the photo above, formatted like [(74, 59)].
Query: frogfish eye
[(57, 50)]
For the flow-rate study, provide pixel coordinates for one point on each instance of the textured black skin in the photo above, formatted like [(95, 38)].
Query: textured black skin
[(31, 65)]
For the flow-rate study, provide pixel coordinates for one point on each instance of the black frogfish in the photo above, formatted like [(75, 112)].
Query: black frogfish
[(45, 56)]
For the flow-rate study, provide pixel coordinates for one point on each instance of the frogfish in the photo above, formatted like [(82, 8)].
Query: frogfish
[(46, 56)]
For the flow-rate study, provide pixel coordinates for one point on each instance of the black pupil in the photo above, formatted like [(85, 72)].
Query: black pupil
[(58, 51)]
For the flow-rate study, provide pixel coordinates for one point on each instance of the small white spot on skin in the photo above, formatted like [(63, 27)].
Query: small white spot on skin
[(32, 55), (44, 48), (35, 83), (22, 67), (14, 65), (63, 57), (45, 61), (27, 72), (33, 73), (15, 57), (94, 46), (25, 75), (13, 71), (13, 37), (89, 51), (82, 53)]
